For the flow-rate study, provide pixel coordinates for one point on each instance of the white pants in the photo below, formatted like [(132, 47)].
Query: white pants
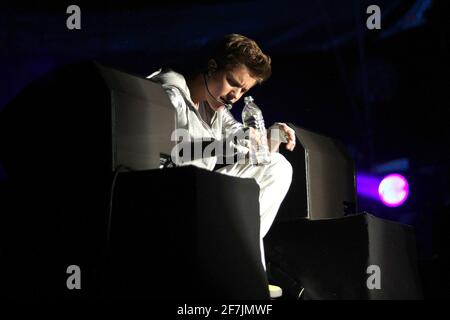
[(274, 180)]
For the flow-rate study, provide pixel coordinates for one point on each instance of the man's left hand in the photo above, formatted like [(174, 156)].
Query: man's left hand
[(289, 134), (283, 133)]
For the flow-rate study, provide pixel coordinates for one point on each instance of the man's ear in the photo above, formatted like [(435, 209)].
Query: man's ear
[(212, 66)]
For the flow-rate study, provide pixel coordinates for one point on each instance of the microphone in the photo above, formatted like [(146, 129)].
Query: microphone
[(227, 105)]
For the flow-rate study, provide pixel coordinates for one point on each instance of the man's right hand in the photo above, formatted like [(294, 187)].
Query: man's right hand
[(254, 136)]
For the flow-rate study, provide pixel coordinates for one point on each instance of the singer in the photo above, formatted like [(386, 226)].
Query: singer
[(202, 98)]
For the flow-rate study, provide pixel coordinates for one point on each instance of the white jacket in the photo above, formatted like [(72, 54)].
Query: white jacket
[(203, 123)]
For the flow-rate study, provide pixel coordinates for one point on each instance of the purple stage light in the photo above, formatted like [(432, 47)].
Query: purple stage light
[(393, 190), (367, 186)]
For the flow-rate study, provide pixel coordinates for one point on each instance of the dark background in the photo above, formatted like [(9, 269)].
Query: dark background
[(383, 93)]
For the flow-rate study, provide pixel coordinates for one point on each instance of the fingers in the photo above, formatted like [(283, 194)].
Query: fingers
[(290, 135), (290, 146), (254, 123), (255, 135)]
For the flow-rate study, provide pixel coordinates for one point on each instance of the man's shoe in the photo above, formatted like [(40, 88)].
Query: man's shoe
[(275, 291)]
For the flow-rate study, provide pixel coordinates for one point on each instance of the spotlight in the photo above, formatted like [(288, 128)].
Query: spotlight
[(393, 190)]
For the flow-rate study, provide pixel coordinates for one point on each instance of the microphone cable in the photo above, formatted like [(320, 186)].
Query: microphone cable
[(227, 105)]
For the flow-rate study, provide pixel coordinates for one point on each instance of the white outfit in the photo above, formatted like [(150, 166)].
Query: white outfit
[(273, 179)]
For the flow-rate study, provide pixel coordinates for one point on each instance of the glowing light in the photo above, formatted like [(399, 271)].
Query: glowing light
[(393, 190), (367, 186)]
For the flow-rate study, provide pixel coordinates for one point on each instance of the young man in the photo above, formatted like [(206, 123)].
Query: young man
[(201, 97)]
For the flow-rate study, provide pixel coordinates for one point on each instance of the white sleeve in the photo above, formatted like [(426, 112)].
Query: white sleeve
[(175, 97), (233, 128), (229, 123)]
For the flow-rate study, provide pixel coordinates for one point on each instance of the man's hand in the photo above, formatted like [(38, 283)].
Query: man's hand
[(280, 132), (254, 136), (290, 135)]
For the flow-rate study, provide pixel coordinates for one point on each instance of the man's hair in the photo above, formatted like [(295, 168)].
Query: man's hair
[(235, 50)]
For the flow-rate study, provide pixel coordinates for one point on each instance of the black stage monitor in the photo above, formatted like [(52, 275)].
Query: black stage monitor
[(86, 116), (323, 184), (143, 120)]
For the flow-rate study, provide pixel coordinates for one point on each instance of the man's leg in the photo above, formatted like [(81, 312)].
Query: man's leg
[(274, 180)]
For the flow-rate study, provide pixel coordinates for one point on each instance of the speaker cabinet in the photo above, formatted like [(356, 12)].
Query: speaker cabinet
[(323, 184)]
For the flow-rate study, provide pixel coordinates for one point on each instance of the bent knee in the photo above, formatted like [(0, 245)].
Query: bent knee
[(282, 167)]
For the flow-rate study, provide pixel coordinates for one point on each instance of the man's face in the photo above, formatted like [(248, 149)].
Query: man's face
[(229, 86)]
